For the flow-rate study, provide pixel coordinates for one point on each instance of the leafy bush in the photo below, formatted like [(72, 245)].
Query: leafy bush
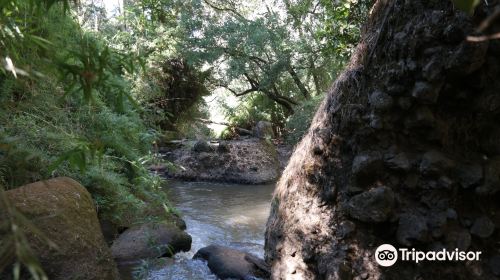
[(72, 114), (171, 93), (298, 124)]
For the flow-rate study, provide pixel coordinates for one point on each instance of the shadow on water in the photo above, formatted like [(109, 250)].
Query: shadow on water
[(227, 214)]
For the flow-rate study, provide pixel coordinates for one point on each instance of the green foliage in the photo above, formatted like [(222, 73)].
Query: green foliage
[(172, 94), (287, 52), (298, 124), (66, 109)]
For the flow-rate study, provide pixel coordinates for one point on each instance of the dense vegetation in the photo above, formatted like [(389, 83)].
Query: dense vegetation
[(89, 95)]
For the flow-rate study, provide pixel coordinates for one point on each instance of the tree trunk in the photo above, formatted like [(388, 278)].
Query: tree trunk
[(405, 150), (299, 83)]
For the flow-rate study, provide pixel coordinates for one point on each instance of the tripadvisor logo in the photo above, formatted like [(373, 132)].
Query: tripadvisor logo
[(387, 255)]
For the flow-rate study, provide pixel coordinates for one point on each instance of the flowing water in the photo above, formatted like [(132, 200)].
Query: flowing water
[(225, 214)]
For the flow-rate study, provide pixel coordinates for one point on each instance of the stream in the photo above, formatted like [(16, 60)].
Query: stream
[(225, 214)]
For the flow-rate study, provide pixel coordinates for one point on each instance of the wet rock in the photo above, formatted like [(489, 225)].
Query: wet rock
[(202, 146), (372, 206), (263, 130), (151, 240), (482, 227), (397, 161), (64, 212), (380, 100), (491, 177), (494, 264), (228, 263), (411, 228), (469, 175), (425, 92), (435, 162)]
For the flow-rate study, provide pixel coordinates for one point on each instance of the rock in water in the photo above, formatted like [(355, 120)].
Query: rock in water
[(151, 240), (228, 263), (63, 210)]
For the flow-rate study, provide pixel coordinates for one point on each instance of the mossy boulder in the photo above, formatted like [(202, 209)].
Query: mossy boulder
[(63, 210)]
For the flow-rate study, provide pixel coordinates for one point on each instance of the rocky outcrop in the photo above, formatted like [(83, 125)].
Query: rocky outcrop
[(263, 130), (63, 210), (404, 150), (228, 263), (247, 161), (150, 240)]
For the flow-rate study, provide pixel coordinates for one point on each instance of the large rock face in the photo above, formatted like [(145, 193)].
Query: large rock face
[(64, 211), (249, 161), (228, 263), (151, 240), (404, 150)]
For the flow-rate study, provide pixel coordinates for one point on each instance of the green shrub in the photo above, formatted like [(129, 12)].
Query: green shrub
[(298, 123)]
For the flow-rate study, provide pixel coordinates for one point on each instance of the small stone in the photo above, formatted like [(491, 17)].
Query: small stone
[(483, 227), (451, 214), (202, 146), (432, 70), (412, 227), (398, 161), (376, 122), (445, 182), (425, 92), (494, 264), (380, 100), (373, 206), (365, 162), (435, 162)]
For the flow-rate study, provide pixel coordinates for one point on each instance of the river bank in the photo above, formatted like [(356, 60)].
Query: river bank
[(244, 161)]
